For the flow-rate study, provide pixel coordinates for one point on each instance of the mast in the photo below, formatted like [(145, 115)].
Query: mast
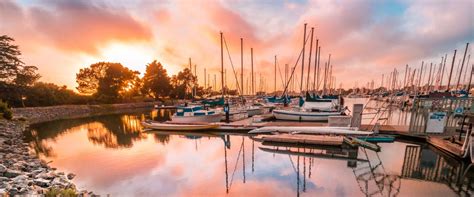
[(205, 80), (309, 62), (315, 64), (242, 66), (470, 79), (421, 72), (462, 65), (451, 72), (302, 60), (251, 64), (222, 67), (319, 58), (442, 72), (195, 75), (275, 76), (429, 77), (381, 84), (330, 80), (325, 74), (286, 73), (405, 77), (467, 67)]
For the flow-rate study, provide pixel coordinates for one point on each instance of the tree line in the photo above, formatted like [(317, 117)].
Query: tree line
[(102, 82)]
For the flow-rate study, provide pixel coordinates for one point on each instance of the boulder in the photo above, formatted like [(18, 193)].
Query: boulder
[(42, 182), (70, 176), (2, 168), (11, 173)]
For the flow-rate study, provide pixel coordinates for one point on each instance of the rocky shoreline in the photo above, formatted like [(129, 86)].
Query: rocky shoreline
[(22, 172)]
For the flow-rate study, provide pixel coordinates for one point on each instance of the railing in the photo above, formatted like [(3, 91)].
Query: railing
[(422, 107)]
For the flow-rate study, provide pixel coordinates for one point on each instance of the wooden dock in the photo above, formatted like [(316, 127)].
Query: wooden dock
[(445, 144), (305, 139)]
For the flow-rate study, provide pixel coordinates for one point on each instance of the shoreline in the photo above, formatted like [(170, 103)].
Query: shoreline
[(22, 172)]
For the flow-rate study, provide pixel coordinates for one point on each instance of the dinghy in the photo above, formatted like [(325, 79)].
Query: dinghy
[(311, 130), (168, 126)]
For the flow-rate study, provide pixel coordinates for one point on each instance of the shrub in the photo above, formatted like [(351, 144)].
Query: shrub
[(5, 111), (54, 192)]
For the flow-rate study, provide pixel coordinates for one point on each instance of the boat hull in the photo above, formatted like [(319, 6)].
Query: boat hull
[(254, 111), (303, 116), (193, 119), (235, 116)]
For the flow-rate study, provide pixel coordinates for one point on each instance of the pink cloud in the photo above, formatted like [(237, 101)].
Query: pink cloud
[(84, 27)]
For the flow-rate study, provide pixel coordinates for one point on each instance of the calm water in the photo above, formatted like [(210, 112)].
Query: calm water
[(113, 155)]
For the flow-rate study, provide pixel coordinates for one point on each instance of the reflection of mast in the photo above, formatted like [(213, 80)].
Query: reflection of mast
[(243, 156), (226, 173), (383, 181), (253, 155), (298, 175)]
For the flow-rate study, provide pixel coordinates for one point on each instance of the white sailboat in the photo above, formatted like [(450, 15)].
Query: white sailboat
[(318, 110), (195, 114)]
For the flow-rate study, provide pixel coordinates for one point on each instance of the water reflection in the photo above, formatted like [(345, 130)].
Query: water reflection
[(111, 131), (124, 160)]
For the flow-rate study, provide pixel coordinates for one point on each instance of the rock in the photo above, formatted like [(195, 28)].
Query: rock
[(20, 178), (3, 192), (70, 176), (2, 168), (3, 179), (11, 173), (42, 182), (13, 191)]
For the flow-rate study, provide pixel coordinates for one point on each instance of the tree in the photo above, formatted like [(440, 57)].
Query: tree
[(156, 81), (107, 82), (183, 84), (10, 62), (15, 76)]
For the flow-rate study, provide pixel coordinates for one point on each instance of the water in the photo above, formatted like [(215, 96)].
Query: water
[(394, 115), (113, 155)]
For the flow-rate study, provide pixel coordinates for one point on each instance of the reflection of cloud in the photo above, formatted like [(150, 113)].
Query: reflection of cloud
[(177, 168)]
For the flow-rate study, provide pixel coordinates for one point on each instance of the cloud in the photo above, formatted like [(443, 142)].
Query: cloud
[(360, 35), (84, 26)]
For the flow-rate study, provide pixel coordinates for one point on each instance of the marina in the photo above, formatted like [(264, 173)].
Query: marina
[(296, 168), (236, 98)]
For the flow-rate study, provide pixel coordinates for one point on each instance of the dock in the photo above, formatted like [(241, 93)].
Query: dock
[(305, 139)]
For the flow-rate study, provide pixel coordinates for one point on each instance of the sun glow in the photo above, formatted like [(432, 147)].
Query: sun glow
[(134, 56)]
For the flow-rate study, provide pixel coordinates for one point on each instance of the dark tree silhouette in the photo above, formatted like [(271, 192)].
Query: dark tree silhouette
[(183, 84), (108, 82), (15, 76), (156, 82)]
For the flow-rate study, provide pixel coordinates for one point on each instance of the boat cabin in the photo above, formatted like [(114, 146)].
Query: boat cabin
[(192, 111)]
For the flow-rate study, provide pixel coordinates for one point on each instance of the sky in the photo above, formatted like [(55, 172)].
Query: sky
[(365, 38)]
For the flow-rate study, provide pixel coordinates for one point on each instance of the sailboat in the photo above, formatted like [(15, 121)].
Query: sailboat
[(195, 114), (313, 109)]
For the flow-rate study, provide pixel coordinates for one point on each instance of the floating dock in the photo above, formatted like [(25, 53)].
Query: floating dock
[(305, 139)]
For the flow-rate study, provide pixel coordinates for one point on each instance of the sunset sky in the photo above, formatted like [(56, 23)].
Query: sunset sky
[(365, 38)]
